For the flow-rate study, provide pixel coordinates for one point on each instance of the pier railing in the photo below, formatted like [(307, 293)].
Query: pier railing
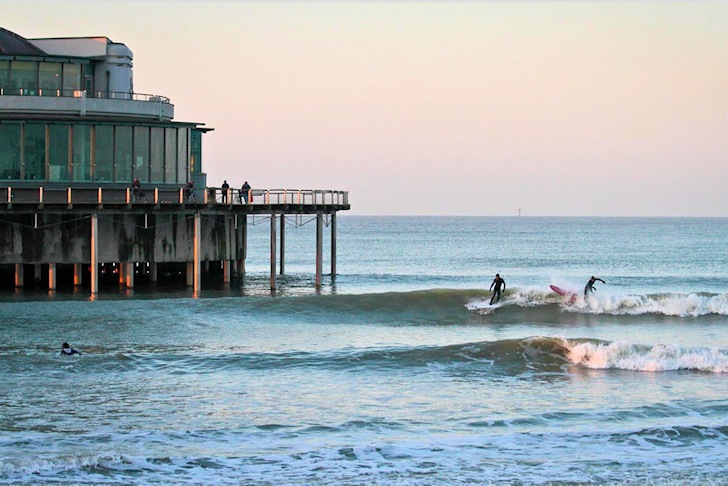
[(210, 196)]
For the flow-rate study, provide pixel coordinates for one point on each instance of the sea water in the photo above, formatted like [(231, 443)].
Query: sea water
[(397, 371)]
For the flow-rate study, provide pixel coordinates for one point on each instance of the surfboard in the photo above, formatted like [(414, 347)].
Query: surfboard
[(563, 292)]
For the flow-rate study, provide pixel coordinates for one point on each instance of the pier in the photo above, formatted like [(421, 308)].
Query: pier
[(101, 179), (41, 228)]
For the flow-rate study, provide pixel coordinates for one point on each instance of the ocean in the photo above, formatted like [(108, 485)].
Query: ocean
[(397, 371)]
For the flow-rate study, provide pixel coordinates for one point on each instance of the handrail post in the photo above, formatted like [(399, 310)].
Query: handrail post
[(128, 196), (10, 194), (70, 199), (207, 193), (156, 195), (299, 196), (40, 195), (267, 197), (101, 198), (181, 195)]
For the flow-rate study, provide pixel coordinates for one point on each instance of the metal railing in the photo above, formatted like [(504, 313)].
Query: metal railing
[(211, 196), (65, 93)]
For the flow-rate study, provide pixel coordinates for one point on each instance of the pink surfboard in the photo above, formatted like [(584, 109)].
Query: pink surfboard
[(566, 293)]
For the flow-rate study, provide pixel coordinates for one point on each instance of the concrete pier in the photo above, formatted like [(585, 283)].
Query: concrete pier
[(99, 229)]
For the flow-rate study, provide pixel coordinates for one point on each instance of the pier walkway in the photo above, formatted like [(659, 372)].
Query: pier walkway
[(87, 226)]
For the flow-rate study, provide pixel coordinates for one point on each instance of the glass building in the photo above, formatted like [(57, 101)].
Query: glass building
[(69, 115)]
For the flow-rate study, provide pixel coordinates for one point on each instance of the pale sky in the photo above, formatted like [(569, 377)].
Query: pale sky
[(573, 109)]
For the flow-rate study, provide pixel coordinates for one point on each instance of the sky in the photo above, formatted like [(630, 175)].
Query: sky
[(439, 108)]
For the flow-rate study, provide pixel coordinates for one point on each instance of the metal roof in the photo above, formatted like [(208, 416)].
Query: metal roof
[(12, 44)]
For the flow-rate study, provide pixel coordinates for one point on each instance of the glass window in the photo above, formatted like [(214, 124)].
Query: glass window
[(157, 155), (141, 153), (104, 153), (122, 154), (9, 150), (34, 152), (49, 78), (23, 77), (82, 152), (71, 79), (4, 77), (182, 155), (170, 155), (58, 153)]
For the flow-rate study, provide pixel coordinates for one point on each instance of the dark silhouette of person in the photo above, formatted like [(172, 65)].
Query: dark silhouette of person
[(225, 187), (589, 288), (136, 190), (498, 282), (190, 192), (244, 191), (67, 350)]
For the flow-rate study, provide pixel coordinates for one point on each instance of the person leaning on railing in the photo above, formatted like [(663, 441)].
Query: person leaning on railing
[(190, 192), (244, 192)]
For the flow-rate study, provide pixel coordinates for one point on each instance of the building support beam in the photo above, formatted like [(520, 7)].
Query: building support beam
[(190, 274), (77, 274), (52, 277), (152, 271), (19, 275), (283, 244), (273, 251), (94, 254), (197, 287), (333, 244), (319, 246), (129, 275), (226, 271)]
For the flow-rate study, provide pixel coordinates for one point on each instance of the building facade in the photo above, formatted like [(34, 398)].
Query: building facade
[(69, 115)]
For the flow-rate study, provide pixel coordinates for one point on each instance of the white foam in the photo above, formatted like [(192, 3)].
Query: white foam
[(660, 357), (678, 305)]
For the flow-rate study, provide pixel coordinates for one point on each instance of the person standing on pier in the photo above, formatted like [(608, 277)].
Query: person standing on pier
[(244, 191), (225, 187), (498, 282)]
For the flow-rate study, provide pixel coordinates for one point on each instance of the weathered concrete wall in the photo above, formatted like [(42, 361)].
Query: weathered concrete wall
[(122, 238)]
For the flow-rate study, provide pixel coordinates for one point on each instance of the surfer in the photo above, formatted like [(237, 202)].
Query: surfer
[(589, 288), (497, 283), (67, 350)]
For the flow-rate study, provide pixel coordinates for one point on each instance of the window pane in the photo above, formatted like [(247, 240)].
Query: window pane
[(4, 76), (157, 154), (58, 153), (104, 153), (49, 78), (170, 155), (35, 152), (182, 155), (23, 78), (71, 79), (141, 153), (122, 155), (82, 153), (9, 150)]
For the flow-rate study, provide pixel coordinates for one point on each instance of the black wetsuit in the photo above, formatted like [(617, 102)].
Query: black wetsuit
[(497, 282), (68, 352), (590, 285)]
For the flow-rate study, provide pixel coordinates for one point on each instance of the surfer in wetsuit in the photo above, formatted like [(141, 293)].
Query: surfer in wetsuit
[(497, 283), (589, 288), (67, 350)]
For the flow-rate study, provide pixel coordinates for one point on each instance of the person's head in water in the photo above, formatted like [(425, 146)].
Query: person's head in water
[(497, 275), (65, 346)]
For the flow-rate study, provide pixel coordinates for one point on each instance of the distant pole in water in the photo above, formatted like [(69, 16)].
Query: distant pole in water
[(519, 212)]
